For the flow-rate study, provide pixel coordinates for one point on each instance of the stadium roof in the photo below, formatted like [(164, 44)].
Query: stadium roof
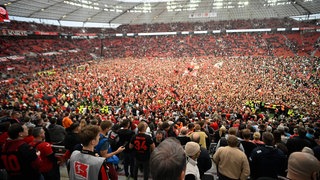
[(158, 11)]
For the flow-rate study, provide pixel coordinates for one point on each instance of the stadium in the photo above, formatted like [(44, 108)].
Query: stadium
[(174, 65)]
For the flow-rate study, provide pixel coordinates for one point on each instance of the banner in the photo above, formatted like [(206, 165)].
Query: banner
[(46, 33), (16, 58), (85, 34), (203, 15), (10, 68), (8, 32)]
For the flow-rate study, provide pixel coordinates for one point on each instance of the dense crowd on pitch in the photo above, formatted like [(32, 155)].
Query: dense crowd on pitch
[(197, 86), (175, 97)]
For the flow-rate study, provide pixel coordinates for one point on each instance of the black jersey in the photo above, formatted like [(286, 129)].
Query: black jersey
[(142, 143)]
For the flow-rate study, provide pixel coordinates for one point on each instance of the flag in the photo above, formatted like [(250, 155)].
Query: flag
[(218, 65)]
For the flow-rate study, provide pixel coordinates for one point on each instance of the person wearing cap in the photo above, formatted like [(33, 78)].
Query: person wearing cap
[(232, 163), (307, 150), (204, 160), (192, 150), (303, 166)]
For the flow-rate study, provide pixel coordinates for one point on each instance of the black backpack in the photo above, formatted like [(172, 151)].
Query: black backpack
[(223, 142), (113, 138)]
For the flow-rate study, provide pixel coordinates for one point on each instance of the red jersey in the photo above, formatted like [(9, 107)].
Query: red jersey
[(24, 158), (3, 137), (45, 151)]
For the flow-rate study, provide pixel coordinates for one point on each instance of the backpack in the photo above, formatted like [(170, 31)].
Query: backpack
[(223, 142), (102, 140), (113, 159), (113, 138)]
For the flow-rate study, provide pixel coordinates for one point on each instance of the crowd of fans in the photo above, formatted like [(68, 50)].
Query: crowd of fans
[(203, 85), (217, 45), (173, 91), (36, 55), (197, 88)]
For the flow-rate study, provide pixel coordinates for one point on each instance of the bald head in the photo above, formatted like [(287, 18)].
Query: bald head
[(195, 137), (302, 166), (184, 131)]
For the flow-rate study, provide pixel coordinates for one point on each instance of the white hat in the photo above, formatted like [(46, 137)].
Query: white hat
[(192, 148)]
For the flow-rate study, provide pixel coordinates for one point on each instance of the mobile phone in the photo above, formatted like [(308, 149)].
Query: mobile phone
[(125, 143)]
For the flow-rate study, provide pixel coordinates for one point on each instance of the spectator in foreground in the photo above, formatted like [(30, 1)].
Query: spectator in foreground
[(72, 139), (256, 139), (168, 161), (192, 150), (84, 164), (297, 143), (158, 138), (125, 135), (303, 166), (232, 163), (204, 162), (20, 153), (49, 164), (142, 145), (267, 160), (104, 149)]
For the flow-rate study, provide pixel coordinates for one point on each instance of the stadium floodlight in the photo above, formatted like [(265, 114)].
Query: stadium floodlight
[(146, 1)]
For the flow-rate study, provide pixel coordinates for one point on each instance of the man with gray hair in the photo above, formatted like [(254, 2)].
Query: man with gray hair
[(168, 160), (182, 137), (49, 167)]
